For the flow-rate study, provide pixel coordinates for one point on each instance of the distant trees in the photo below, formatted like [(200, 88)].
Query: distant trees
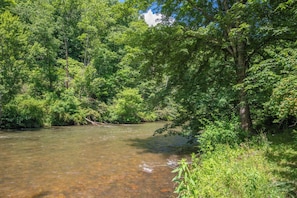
[(70, 59), (38, 18)]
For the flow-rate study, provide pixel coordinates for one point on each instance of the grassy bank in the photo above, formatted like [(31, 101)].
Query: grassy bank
[(282, 153), (265, 166)]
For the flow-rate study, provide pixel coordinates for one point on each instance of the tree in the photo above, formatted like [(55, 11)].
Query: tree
[(95, 20), (272, 86), (39, 20), (231, 32), (13, 50), (104, 25), (68, 14)]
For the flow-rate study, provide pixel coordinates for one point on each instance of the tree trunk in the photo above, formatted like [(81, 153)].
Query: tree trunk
[(86, 59), (244, 112), (242, 66), (50, 78), (66, 68)]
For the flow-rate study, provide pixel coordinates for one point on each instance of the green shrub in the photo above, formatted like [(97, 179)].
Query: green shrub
[(67, 110), (148, 116), (168, 113), (94, 109), (127, 106), (283, 101), (23, 112), (63, 109), (227, 172), (220, 132)]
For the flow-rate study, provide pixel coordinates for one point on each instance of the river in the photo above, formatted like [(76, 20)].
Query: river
[(89, 161)]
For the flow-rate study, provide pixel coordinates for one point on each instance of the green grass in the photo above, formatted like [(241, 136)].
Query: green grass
[(262, 167), (282, 152)]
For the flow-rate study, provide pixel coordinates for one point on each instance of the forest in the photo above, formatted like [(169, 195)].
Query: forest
[(64, 61), (222, 71)]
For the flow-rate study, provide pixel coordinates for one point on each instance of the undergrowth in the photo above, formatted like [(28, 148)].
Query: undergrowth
[(263, 166)]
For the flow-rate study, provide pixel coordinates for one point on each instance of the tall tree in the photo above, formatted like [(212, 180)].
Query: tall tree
[(103, 25), (68, 14), (39, 19), (95, 20), (230, 31), (13, 51)]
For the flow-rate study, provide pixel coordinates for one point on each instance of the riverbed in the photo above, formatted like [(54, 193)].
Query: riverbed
[(89, 161)]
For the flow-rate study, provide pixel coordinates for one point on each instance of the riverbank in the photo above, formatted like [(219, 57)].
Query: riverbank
[(263, 167)]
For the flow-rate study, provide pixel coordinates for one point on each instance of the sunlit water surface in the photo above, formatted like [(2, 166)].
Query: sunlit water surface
[(89, 161)]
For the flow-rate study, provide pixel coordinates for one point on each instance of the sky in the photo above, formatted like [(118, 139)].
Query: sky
[(150, 18)]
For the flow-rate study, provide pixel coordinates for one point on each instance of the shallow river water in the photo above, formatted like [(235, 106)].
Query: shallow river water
[(89, 161)]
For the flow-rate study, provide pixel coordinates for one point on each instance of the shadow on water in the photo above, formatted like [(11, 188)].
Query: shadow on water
[(25, 130), (20, 130), (161, 144)]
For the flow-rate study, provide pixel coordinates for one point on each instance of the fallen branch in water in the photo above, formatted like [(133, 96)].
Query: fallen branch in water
[(93, 122)]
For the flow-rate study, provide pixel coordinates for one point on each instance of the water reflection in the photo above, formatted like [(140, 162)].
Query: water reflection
[(88, 161)]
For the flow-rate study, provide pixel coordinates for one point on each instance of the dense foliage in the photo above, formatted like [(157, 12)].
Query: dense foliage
[(257, 167), (237, 172), (64, 61), (221, 58), (223, 70), (205, 59)]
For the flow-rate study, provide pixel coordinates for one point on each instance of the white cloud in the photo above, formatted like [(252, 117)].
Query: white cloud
[(152, 19)]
